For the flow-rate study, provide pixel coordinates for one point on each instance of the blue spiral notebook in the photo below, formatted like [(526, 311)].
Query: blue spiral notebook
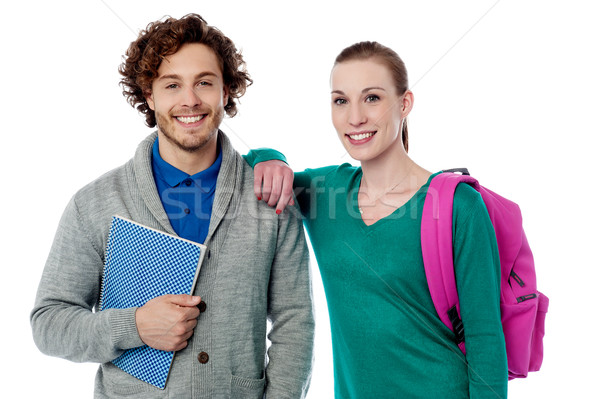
[(142, 263)]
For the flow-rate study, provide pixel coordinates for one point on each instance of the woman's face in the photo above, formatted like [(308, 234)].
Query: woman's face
[(366, 110)]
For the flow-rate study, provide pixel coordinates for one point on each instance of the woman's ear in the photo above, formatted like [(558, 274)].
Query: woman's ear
[(407, 102)]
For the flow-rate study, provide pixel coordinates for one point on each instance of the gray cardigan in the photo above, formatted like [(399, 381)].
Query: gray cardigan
[(256, 269)]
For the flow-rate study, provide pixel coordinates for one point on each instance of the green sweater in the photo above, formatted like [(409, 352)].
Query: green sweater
[(388, 341)]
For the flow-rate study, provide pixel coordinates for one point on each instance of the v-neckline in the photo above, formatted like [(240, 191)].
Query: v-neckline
[(354, 204)]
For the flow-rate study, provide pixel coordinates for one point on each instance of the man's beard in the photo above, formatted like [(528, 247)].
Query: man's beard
[(195, 142)]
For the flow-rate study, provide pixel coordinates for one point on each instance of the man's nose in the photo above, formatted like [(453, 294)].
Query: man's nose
[(190, 97)]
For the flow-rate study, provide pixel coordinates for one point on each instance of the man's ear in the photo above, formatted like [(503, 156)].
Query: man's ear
[(225, 95), (149, 99)]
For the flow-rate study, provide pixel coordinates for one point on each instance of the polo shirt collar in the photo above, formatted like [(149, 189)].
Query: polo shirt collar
[(174, 177)]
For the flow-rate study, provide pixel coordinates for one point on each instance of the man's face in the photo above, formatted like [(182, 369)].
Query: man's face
[(188, 98)]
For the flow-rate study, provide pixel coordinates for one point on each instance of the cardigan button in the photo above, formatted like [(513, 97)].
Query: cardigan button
[(202, 306), (203, 357)]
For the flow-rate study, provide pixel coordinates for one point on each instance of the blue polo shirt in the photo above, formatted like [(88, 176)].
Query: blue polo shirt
[(187, 200)]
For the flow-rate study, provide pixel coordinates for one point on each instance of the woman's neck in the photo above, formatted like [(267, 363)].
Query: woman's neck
[(388, 182), (392, 171)]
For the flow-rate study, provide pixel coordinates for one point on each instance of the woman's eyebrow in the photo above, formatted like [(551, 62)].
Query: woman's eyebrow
[(366, 89)]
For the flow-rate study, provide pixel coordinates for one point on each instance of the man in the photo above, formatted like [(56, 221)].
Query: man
[(185, 179)]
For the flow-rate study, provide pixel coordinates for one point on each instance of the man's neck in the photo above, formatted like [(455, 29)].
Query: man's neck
[(186, 161)]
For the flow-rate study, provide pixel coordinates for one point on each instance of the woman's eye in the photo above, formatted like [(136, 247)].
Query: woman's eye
[(339, 101), (371, 98)]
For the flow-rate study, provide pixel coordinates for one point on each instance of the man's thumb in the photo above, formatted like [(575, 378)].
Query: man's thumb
[(186, 300)]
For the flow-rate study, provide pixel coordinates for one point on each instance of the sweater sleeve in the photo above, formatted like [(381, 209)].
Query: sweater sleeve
[(263, 154), (64, 320), (290, 311), (477, 268)]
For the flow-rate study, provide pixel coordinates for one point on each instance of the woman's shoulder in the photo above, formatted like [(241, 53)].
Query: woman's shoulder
[(330, 173), (468, 204), (466, 195)]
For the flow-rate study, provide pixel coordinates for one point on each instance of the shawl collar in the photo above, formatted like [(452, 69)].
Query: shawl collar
[(228, 180)]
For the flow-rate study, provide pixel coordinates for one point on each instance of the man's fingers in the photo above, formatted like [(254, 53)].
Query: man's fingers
[(184, 300), (168, 321)]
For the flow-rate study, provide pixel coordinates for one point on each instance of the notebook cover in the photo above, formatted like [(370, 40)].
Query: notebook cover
[(142, 263)]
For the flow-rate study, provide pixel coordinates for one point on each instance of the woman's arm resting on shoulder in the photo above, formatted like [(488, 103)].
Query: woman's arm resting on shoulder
[(274, 183), (273, 178), (278, 185)]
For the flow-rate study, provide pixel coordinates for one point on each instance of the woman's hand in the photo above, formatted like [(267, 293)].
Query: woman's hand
[(274, 184)]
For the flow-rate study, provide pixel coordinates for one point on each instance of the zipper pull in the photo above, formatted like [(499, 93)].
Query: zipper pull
[(516, 277), (526, 297)]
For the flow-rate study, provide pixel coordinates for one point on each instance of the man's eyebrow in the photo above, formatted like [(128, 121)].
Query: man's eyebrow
[(178, 77), (169, 77), (365, 90)]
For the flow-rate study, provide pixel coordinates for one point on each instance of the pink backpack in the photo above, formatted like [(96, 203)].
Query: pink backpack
[(523, 307)]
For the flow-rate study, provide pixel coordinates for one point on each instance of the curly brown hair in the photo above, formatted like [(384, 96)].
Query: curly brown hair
[(164, 38)]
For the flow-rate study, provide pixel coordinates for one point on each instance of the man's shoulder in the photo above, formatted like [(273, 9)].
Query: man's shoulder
[(105, 189), (118, 178)]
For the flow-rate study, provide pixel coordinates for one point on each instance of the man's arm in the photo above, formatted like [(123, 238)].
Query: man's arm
[(291, 313), (64, 319)]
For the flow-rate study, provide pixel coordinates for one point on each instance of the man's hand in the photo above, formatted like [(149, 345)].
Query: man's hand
[(168, 321), (274, 183)]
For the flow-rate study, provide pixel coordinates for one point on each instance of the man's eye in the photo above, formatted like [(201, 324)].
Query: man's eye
[(172, 86), (204, 83)]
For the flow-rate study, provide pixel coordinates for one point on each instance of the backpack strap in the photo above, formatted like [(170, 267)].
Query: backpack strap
[(437, 248), (463, 171)]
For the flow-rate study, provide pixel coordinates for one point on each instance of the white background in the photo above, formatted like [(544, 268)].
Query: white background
[(508, 88)]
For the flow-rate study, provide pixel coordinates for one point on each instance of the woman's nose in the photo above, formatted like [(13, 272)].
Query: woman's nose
[(356, 116)]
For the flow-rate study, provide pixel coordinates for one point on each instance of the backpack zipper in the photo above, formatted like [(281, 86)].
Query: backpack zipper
[(526, 297)]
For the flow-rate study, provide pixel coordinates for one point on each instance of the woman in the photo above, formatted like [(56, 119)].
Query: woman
[(364, 225)]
